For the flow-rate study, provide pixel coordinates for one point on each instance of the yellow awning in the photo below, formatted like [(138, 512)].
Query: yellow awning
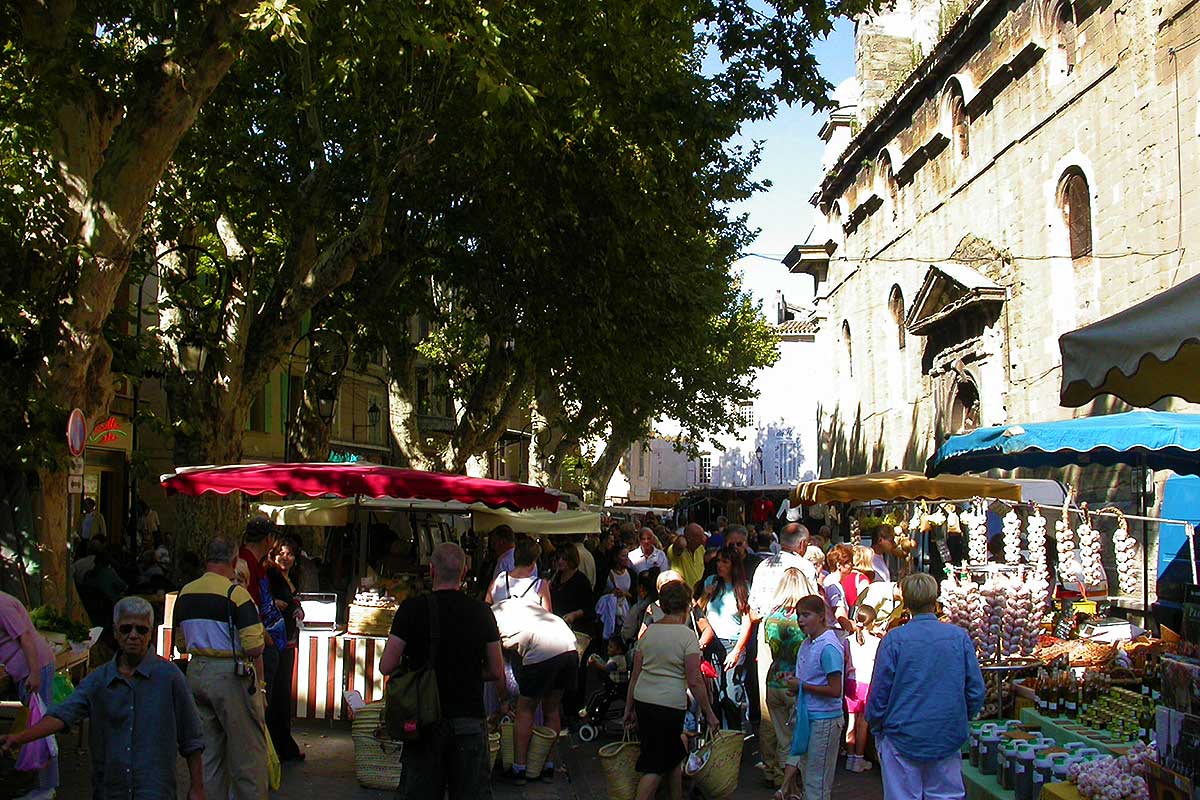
[(903, 485)]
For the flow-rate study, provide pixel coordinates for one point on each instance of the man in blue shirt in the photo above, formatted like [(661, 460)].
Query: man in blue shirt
[(925, 687), (142, 714)]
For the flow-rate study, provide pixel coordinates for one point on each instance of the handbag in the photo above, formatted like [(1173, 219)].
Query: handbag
[(412, 703)]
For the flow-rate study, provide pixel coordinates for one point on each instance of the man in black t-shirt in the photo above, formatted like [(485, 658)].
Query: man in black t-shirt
[(454, 758)]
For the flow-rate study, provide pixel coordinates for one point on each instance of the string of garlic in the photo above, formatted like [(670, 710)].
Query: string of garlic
[(975, 518), (1012, 538), (1038, 577), (1065, 538), (855, 533), (1126, 551), (1089, 551)]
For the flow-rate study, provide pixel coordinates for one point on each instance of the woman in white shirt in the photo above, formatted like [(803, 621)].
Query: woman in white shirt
[(521, 582), (666, 666)]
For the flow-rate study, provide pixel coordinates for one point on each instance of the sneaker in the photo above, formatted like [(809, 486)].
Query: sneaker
[(851, 763), (38, 794), (864, 765), (515, 778)]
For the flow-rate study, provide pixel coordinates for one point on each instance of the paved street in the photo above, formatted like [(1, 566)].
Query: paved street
[(329, 773)]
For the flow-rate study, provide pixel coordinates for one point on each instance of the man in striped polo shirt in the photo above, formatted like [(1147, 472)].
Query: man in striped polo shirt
[(217, 624)]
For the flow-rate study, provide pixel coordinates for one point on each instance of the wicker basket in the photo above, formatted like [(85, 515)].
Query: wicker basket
[(1085, 653), (618, 760), (370, 620), (541, 744), (376, 760), (493, 748), (508, 743), (718, 778)]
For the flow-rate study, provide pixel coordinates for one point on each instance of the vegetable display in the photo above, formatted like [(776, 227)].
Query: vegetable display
[(51, 620), (1114, 778)]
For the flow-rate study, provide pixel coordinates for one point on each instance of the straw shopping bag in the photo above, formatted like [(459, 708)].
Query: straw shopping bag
[(493, 748), (376, 759), (540, 744), (618, 761), (508, 743), (718, 778)]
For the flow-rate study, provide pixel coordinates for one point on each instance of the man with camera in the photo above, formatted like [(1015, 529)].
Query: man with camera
[(217, 625)]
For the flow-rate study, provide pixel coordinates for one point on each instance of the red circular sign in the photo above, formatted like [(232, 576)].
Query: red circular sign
[(76, 432)]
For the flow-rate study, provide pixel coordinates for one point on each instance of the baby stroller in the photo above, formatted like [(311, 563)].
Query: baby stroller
[(598, 712)]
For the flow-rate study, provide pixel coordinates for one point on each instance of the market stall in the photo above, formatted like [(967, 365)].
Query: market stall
[(343, 635)]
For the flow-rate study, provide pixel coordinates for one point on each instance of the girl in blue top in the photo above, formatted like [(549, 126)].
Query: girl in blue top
[(820, 664)]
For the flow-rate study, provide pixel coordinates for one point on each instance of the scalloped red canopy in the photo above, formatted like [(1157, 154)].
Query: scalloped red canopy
[(350, 480)]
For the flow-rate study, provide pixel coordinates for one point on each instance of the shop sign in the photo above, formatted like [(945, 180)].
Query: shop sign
[(343, 457), (107, 432), (75, 484)]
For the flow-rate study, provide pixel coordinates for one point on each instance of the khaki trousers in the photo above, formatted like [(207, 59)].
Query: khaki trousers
[(235, 738), (780, 703), (769, 747)]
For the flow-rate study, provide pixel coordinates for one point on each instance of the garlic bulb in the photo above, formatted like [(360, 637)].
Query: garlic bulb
[(1012, 538), (1128, 564), (914, 524), (1089, 553)]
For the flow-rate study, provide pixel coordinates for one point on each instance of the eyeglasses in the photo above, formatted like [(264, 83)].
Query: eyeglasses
[(126, 629)]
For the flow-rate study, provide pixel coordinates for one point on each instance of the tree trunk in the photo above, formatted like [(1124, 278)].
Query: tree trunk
[(606, 464), (54, 543)]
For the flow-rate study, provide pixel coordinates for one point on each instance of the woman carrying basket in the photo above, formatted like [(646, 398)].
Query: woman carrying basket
[(666, 666)]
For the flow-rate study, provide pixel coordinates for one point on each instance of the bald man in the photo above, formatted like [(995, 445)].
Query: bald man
[(687, 554)]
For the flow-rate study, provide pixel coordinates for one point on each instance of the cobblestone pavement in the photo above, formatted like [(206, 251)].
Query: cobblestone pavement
[(328, 772)]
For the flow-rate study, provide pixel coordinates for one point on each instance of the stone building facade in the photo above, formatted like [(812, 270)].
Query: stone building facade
[(1008, 173)]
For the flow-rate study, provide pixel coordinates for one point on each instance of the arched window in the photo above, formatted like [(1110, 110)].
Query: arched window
[(1065, 32), (1075, 202), (964, 407), (849, 347), (885, 176), (896, 306), (960, 130)]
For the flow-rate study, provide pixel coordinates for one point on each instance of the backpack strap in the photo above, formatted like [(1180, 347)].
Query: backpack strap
[(435, 633)]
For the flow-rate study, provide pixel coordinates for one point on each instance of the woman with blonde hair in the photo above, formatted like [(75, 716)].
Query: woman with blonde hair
[(783, 636), (859, 577)]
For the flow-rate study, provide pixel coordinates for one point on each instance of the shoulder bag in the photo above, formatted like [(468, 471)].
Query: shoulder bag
[(412, 703)]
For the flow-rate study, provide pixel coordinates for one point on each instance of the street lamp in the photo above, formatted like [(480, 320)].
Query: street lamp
[(373, 415)]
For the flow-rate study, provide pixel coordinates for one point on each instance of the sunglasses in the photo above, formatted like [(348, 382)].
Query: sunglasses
[(125, 630)]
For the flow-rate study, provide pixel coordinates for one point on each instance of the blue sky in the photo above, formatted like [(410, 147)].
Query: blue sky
[(791, 160)]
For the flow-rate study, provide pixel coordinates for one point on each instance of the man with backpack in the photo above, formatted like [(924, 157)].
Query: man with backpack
[(454, 637)]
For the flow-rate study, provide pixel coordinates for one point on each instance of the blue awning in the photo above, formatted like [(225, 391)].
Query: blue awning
[(1155, 439)]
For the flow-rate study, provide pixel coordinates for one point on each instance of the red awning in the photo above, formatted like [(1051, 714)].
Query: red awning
[(350, 480)]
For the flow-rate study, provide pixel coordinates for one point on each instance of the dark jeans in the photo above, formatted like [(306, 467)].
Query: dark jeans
[(279, 707), (452, 760)]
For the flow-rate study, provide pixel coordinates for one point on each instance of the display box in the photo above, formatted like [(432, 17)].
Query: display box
[(1180, 678), (1177, 742), (1166, 784)]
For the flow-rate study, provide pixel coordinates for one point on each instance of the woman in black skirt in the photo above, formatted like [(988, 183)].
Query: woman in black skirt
[(666, 666)]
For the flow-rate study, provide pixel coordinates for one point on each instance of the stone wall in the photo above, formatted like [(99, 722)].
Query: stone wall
[(1037, 106)]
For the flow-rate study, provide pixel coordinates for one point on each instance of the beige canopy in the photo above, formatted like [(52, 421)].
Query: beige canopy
[(1142, 354), (339, 511)]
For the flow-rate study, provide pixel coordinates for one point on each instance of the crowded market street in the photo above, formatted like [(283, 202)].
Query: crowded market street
[(599, 400)]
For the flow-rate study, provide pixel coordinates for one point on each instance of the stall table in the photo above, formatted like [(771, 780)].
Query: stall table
[(987, 787), (328, 664)]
